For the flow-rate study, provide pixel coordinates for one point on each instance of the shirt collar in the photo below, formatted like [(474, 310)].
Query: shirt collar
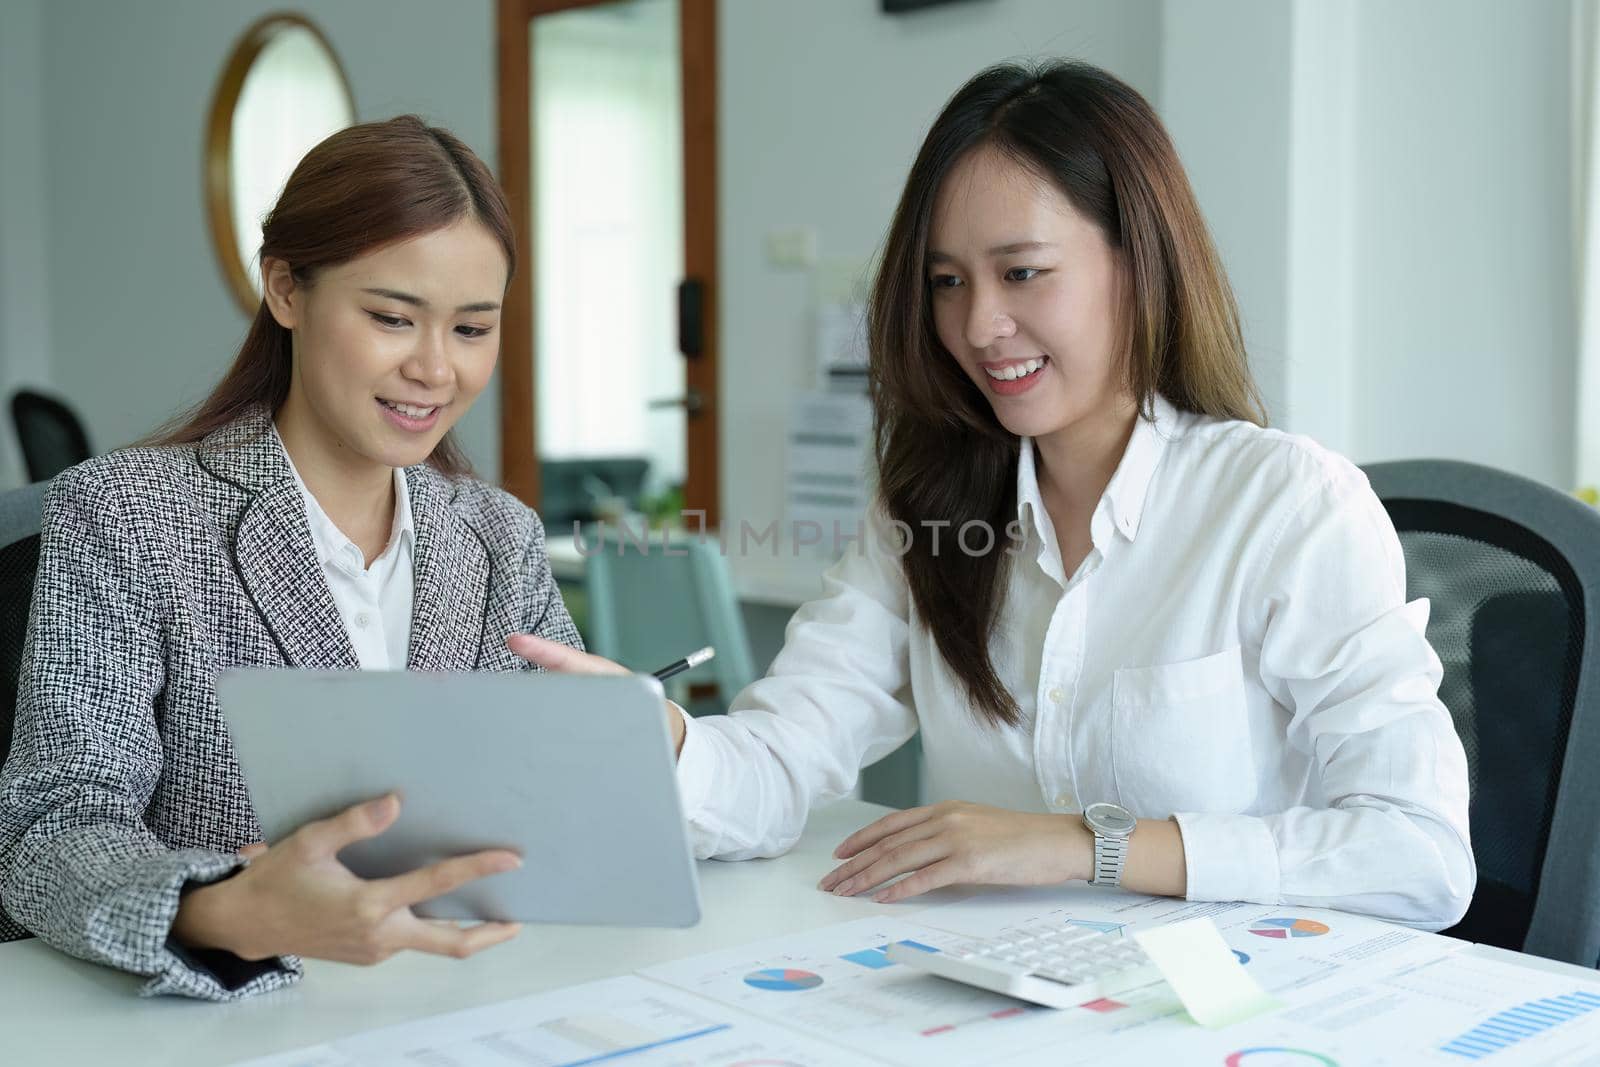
[(1031, 514), (1131, 483), (1123, 501), (331, 543)]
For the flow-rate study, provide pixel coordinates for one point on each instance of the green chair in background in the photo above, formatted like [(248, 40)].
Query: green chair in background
[(647, 609), (651, 606)]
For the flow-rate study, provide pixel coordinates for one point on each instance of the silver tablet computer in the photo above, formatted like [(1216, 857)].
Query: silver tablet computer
[(575, 773)]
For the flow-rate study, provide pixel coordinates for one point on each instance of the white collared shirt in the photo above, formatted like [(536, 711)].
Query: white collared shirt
[(374, 602), (1235, 651)]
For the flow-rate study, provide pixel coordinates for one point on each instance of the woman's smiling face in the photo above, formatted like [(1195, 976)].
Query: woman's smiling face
[(1025, 293), (391, 348)]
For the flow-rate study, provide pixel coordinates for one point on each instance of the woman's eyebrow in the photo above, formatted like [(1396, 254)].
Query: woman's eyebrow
[(1007, 249), (417, 301), (1012, 247)]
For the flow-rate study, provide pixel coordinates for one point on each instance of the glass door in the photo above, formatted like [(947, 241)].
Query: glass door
[(607, 195)]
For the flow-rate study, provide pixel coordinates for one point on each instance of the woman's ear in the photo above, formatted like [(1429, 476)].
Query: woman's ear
[(281, 293)]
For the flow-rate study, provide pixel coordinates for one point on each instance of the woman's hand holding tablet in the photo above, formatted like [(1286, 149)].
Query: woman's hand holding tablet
[(296, 898)]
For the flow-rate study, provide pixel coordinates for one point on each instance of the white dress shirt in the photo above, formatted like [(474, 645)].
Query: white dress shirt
[(1236, 651), (374, 602)]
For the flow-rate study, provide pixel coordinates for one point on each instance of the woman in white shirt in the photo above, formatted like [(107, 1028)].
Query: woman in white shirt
[(1097, 585)]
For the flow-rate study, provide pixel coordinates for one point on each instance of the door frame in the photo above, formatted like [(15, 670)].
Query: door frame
[(519, 459)]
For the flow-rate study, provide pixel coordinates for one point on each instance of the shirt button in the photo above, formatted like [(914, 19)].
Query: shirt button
[(362, 619), (1056, 696), (1064, 800)]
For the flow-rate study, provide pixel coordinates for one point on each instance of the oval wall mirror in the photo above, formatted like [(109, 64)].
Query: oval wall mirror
[(281, 92)]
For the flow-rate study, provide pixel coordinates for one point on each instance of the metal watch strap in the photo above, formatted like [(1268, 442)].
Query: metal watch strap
[(1109, 855)]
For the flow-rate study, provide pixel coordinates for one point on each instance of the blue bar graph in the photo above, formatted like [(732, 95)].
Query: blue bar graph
[(878, 958), (1502, 1031)]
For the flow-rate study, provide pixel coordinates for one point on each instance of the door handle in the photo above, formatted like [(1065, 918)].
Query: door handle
[(692, 402)]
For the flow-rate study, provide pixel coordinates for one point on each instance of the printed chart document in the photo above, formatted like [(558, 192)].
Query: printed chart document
[(1355, 992), (838, 983), (1453, 1010), (628, 1022), (1283, 948)]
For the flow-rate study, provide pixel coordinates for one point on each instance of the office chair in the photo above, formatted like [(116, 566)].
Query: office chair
[(649, 608), (50, 434), (19, 558), (1512, 569), (646, 609)]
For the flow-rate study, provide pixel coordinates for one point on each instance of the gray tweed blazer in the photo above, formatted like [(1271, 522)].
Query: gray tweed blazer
[(157, 568)]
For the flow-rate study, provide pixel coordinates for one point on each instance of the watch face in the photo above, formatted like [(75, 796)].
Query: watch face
[(1110, 818)]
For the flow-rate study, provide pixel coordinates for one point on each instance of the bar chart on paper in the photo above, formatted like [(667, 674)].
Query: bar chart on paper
[(878, 958), (1445, 1012), (1512, 1027), (626, 1022)]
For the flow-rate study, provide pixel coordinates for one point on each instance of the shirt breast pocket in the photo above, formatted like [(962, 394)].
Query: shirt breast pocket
[(1180, 738)]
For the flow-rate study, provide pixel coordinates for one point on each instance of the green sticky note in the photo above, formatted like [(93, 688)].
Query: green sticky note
[(1201, 968)]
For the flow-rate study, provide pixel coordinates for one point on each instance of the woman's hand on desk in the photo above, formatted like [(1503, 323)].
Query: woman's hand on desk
[(296, 898), (564, 659), (960, 843)]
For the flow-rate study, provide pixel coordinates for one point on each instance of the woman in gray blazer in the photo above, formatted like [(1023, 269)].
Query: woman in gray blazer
[(313, 512)]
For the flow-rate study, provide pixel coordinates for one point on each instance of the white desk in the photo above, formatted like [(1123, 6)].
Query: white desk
[(55, 1009)]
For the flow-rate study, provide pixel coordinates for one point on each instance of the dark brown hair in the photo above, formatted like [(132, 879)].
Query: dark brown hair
[(943, 457), (360, 189)]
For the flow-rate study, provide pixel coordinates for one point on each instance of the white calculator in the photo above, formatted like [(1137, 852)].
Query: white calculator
[(1059, 967)]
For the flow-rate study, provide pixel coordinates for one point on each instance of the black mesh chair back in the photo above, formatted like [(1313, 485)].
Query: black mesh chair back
[(50, 434), (19, 559), (1512, 571)]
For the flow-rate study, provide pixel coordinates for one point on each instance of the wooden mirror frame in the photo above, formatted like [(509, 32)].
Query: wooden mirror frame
[(218, 150)]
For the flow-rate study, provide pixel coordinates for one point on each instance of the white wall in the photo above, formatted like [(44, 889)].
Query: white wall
[(1225, 70), (823, 105), (24, 245), (1390, 187), (1319, 376), (1464, 300), (140, 321)]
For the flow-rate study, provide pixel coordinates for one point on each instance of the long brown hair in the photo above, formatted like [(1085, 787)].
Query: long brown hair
[(360, 189), (943, 457)]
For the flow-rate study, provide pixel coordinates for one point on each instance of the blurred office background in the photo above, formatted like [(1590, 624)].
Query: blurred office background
[(1400, 190), (1403, 192)]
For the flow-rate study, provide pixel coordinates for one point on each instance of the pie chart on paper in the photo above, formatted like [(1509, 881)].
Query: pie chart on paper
[(1288, 926), (1278, 1057), (782, 980)]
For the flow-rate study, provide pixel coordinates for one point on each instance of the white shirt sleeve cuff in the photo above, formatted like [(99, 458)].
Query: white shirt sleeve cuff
[(695, 770), (1229, 857)]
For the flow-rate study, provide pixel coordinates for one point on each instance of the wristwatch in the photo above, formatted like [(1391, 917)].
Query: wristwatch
[(1112, 825)]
